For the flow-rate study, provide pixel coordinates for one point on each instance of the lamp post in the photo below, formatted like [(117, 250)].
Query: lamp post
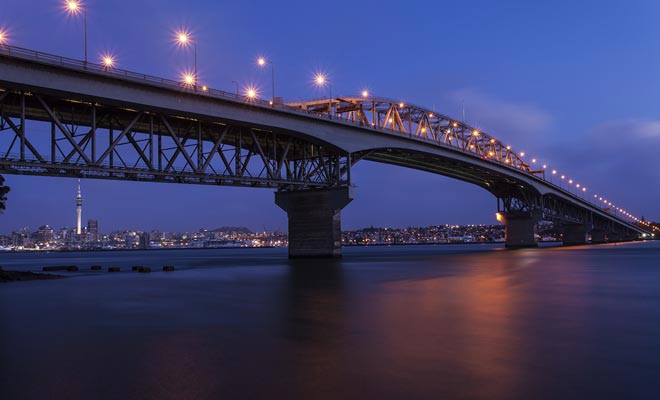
[(262, 63), (321, 80), (75, 7), (184, 39)]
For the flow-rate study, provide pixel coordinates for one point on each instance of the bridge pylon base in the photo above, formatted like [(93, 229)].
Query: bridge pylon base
[(520, 231), (598, 236), (575, 235), (314, 221), (613, 237)]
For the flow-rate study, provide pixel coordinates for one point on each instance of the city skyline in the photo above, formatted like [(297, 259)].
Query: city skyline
[(522, 106)]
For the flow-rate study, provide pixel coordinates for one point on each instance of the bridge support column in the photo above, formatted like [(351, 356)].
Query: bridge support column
[(314, 221), (598, 236), (575, 235), (630, 237), (520, 231), (613, 237)]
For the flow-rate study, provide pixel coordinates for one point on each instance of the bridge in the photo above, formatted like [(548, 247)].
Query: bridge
[(68, 118)]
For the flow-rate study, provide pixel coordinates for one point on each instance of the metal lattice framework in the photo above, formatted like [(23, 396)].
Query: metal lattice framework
[(43, 135), (419, 122)]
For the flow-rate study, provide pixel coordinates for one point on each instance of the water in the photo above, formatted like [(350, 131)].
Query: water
[(423, 322)]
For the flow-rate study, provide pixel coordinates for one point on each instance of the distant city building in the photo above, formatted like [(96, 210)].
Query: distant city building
[(93, 226), (43, 235), (79, 202)]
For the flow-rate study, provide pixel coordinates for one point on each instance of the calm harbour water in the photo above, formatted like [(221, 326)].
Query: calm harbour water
[(422, 322)]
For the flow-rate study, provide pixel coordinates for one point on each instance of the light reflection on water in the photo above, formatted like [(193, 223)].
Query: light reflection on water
[(390, 322)]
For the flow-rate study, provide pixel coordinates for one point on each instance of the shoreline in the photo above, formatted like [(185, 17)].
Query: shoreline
[(20, 276)]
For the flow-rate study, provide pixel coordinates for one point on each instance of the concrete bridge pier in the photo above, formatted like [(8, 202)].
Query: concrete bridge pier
[(520, 231), (575, 235), (314, 220), (630, 237), (613, 237), (598, 236)]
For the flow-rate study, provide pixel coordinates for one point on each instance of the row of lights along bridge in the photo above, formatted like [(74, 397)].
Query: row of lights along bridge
[(183, 38)]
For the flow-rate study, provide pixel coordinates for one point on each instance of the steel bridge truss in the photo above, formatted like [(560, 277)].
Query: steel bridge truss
[(44, 135), (522, 202), (414, 121)]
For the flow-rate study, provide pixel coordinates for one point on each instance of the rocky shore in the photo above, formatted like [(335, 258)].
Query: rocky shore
[(12, 276)]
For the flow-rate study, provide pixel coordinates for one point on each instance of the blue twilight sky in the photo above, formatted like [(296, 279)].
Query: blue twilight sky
[(575, 84)]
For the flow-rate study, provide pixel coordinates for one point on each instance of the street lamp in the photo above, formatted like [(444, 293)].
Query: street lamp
[(4, 37), (188, 79), (184, 39), (75, 7), (251, 93), (320, 81), (262, 62), (108, 60)]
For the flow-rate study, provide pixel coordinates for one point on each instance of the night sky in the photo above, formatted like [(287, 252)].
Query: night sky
[(574, 84)]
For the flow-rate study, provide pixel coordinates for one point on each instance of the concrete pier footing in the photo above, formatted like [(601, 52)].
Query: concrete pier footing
[(598, 236), (314, 220), (520, 232), (613, 237), (575, 235)]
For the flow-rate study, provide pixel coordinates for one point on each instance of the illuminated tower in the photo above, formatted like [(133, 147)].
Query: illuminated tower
[(79, 210)]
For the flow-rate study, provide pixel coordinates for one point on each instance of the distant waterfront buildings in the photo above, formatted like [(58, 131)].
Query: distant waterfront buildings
[(49, 239)]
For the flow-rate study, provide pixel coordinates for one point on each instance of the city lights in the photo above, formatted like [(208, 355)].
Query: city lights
[(365, 93)]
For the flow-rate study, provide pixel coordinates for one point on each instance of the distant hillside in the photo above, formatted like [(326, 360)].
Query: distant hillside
[(237, 229)]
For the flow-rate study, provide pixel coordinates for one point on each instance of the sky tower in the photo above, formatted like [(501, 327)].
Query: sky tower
[(79, 210)]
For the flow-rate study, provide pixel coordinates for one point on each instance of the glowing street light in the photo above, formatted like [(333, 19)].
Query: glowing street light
[(321, 80), (108, 61), (184, 39), (365, 94), (188, 78), (4, 37), (75, 7), (251, 93), (262, 62)]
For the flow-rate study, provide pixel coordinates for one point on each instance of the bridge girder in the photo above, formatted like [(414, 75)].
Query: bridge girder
[(414, 121), (45, 135)]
